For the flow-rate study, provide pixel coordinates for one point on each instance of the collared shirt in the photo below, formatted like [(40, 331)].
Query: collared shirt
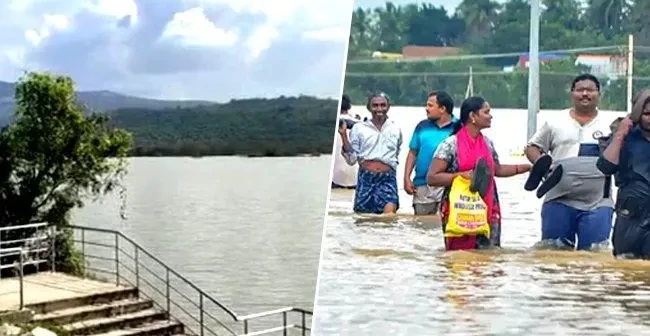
[(633, 168), (372, 144), (426, 138), (575, 147), (564, 137)]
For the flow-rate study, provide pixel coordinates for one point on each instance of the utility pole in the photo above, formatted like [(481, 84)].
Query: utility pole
[(533, 68)]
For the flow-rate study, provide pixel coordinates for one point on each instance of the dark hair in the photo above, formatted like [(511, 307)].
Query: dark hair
[(645, 102), (346, 104), (375, 95), (471, 104), (584, 77), (444, 99)]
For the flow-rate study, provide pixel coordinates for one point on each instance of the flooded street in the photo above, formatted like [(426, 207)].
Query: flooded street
[(391, 276)]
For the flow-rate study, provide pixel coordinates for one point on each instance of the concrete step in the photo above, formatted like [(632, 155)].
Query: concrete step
[(125, 321), (75, 314), (158, 328), (119, 293)]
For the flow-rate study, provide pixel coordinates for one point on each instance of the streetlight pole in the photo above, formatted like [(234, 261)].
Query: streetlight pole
[(533, 68)]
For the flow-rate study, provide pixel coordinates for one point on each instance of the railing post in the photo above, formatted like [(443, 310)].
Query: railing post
[(83, 252), (117, 259), (304, 323), (201, 311), (21, 262), (53, 248), (167, 295), (83, 241), (284, 323), (245, 327), (1, 255), (137, 267)]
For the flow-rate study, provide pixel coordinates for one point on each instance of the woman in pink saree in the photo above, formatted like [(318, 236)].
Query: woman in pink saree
[(469, 153)]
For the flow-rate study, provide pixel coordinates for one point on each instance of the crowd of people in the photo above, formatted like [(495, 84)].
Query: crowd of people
[(451, 167)]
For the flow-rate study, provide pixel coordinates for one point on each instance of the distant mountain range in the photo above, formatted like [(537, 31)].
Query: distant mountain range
[(96, 100)]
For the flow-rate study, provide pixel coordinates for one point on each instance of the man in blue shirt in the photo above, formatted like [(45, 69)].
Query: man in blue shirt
[(428, 134), (626, 157)]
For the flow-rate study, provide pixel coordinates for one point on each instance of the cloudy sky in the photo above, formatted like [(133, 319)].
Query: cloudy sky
[(180, 49)]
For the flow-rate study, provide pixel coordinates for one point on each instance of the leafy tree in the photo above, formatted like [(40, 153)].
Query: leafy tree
[(478, 16), (430, 25), (284, 126), (493, 28), (53, 157)]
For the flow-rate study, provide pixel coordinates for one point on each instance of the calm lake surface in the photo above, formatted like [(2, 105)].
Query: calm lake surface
[(245, 230), (391, 276)]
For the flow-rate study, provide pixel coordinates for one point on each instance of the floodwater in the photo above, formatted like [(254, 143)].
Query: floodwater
[(390, 276), (247, 231)]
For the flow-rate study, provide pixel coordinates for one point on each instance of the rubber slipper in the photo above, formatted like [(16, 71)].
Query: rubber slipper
[(481, 178), (540, 169), (550, 181)]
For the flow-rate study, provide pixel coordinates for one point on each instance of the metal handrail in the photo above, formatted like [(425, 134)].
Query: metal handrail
[(203, 297), (20, 247), (48, 251), (21, 264)]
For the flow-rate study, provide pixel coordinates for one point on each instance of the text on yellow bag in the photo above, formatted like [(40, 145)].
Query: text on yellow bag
[(467, 211)]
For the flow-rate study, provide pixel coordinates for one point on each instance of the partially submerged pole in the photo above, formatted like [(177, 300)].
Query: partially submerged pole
[(533, 68)]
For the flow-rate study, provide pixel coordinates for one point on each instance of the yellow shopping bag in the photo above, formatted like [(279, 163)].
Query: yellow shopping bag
[(467, 211)]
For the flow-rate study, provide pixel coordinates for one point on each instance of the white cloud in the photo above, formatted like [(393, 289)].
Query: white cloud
[(261, 39), (56, 21), (200, 49), (51, 23), (115, 8), (193, 28)]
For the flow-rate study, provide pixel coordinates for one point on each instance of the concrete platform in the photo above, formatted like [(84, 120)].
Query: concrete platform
[(47, 287)]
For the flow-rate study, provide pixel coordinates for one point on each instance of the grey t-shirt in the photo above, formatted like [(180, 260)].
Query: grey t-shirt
[(582, 186)]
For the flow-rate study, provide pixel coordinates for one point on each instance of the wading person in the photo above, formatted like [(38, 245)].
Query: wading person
[(627, 157), (375, 145), (344, 176), (577, 200), (466, 164), (428, 134)]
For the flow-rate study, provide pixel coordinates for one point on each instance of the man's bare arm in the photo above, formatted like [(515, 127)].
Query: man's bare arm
[(539, 143)]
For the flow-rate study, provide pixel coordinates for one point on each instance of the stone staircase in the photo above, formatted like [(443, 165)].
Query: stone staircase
[(116, 312)]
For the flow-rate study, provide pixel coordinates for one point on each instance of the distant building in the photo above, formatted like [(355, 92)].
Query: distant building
[(413, 51), (385, 55), (543, 58), (611, 66)]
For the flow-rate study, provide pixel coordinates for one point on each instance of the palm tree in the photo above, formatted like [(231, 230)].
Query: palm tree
[(479, 16), (360, 33), (391, 27), (610, 16)]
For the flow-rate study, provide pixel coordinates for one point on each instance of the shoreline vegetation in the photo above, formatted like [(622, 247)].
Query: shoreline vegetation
[(278, 127), (255, 127)]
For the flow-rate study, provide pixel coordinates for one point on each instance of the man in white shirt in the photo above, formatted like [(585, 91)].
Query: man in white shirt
[(580, 205), (375, 145)]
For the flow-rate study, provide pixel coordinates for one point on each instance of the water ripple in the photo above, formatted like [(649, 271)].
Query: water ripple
[(391, 276)]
